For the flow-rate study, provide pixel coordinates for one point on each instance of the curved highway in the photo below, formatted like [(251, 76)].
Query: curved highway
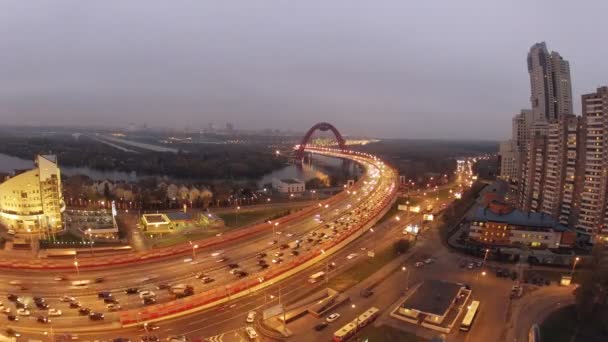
[(360, 205)]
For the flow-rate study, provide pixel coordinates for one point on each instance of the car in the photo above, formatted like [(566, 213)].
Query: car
[(199, 275), (12, 318), (10, 332), (113, 307), (289, 234), (96, 316), (110, 300), (331, 265), (429, 261), (321, 326), (99, 280), (23, 312), (132, 290), (261, 255), (262, 262), (278, 254), (235, 271), (187, 259), (419, 264), (75, 305), (250, 317), (207, 280), (67, 299), (42, 305), (12, 297), (233, 265), (333, 317), (178, 338), (242, 274), (149, 300), (43, 319), (150, 338), (104, 294), (84, 311), (54, 312), (251, 333), (277, 260), (38, 299), (351, 256), (284, 246), (222, 259), (20, 305), (263, 266), (11, 232), (149, 327), (163, 286), (121, 339), (5, 310), (366, 293), (146, 294), (471, 266)]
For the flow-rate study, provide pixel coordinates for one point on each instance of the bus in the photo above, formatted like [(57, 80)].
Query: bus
[(349, 330), (469, 317), (534, 333), (316, 277)]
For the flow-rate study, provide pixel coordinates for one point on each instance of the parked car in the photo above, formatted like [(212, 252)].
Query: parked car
[(333, 317)]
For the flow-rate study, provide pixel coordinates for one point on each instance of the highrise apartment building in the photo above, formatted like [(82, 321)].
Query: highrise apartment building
[(31, 201), (550, 84), (592, 217)]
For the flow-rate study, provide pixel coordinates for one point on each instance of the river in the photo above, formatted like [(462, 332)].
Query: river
[(318, 169)]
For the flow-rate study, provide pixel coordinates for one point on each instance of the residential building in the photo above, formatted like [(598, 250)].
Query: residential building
[(31, 201), (550, 84), (508, 160), (533, 173), (592, 217)]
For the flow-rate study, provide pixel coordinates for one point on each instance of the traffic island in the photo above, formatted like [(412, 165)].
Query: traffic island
[(434, 304)]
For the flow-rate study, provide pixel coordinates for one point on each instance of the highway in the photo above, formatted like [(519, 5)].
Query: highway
[(179, 270)]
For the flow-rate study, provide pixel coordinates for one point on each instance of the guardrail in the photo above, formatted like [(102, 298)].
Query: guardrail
[(223, 294)]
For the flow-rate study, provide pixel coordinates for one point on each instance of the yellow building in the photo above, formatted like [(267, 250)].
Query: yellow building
[(31, 201)]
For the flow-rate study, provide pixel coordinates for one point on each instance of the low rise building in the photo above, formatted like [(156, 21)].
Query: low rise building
[(499, 224), (166, 222), (432, 301), (288, 185)]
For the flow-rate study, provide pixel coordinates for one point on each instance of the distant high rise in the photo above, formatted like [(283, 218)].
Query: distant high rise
[(551, 90)]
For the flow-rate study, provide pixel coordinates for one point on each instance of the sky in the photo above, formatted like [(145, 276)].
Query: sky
[(385, 68)]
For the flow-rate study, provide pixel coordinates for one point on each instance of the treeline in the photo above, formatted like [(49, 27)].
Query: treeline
[(225, 161)]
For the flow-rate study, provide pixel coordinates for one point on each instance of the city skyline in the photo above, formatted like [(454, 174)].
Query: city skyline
[(380, 71)]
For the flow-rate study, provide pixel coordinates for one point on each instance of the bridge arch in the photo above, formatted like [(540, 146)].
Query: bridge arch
[(324, 127)]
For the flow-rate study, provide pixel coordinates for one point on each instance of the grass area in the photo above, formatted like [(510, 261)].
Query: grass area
[(561, 326), (387, 334), (183, 238), (234, 220), (365, 267)]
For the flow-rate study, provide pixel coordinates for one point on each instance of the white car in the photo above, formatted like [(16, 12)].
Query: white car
[(11, 232), (5, 310), (23, 312), (68, 299), (419, 264), (351, 256), (251, 333), (333, 317), (429, 261), (251, 317), (55, 312), (188, 260), (146, 294), (289, 234), (113, 307)]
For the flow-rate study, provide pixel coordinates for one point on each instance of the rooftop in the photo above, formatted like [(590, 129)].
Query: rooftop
[(433, 297), (518, 217), (154, 218), (291, 181), (179, 216)]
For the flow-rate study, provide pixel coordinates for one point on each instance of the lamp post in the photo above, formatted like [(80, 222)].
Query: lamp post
[(353, 306), (576, 260), (89, 233), (76, 265), (407, 277), (194, 247), (238, 208)]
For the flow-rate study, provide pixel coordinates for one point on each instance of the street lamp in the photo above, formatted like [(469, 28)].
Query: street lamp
[(407, 277), (194, 247), (76, 265), (89, 233), (237, 215), (576, 260)]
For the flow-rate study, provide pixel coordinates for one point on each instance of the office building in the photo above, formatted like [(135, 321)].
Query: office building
[(31, 201)]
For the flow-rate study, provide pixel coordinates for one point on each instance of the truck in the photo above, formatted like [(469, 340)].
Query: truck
[(316, 277)]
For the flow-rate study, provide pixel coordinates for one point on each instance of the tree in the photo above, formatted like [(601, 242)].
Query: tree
[(593, 289), (315, 183)]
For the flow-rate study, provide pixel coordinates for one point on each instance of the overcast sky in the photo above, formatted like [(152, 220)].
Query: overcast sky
[(389, 68)]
